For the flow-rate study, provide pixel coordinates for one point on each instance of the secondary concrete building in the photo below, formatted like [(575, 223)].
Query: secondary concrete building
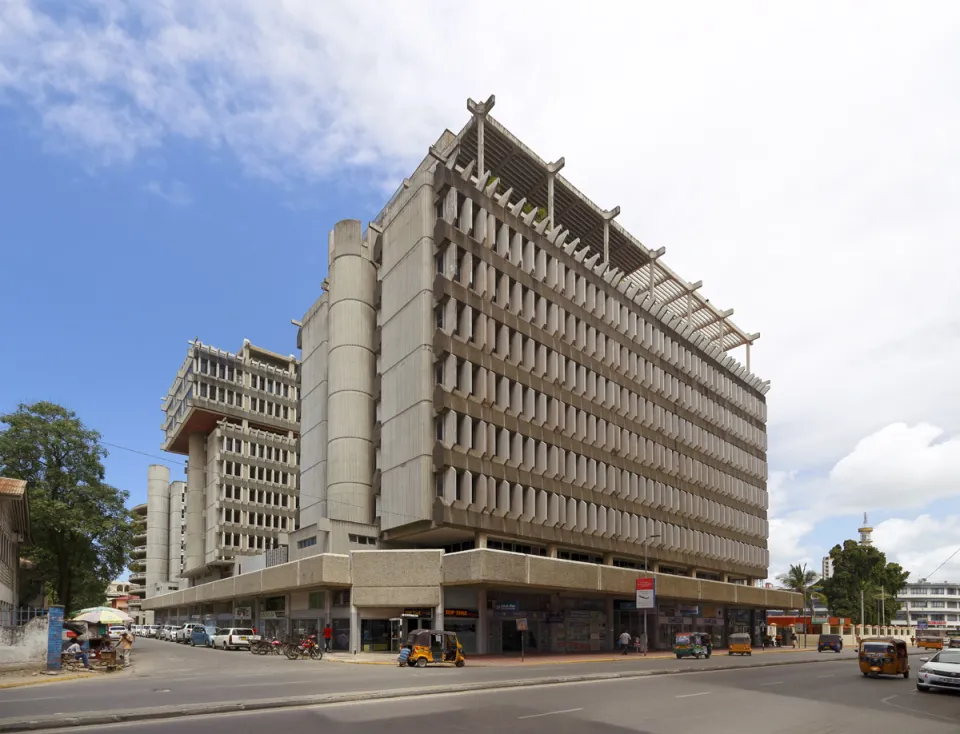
[(496, 370), (929, 604), (236, 417), (14, 531)]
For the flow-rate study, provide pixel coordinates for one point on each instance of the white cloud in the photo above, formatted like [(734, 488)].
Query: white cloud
[(175, 194), (801, 160), (921, 545)]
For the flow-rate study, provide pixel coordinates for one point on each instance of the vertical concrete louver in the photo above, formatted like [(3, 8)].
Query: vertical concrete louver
[(158, 519), (196, 495), (351, 371), (174, 551), (313, 425)]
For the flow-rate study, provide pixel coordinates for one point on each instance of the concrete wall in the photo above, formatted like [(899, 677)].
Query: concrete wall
[(406, 356), (352, 370), (395, 578), (158, 524)]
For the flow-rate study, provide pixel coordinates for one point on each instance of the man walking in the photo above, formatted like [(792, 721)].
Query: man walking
[(625, 639), (126, 647), (327, 637)]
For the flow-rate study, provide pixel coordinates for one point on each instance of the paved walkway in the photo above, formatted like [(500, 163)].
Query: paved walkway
[(506, 661)]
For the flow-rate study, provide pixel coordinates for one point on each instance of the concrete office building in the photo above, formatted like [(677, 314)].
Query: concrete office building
[(524, 409), (235, 417), (14, 532), (158, 553)]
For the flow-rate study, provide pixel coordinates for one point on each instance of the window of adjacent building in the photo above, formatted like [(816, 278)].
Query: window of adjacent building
[(438, 484), (341, 598), (362, 539), (307, 542)]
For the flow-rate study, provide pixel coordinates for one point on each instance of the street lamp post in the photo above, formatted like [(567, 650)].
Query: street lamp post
[(646, 569)]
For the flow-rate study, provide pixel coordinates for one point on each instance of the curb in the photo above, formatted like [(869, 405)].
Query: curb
[(534, 661), (172, 712)]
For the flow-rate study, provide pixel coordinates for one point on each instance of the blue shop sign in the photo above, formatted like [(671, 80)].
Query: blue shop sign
[(506, 606)]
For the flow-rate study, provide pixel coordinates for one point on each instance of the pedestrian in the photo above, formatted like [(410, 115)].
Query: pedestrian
[(79, 654), (327, 637), (625, 639), (126, 648)]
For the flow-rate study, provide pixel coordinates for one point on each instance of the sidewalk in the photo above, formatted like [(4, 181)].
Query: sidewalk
[(506, 661), (36, 676)]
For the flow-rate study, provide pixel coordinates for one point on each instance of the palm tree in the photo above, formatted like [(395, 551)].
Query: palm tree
[(798, 579)]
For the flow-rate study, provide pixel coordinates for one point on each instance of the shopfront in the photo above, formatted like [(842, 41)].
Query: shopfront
[(465, 622), (675, 617), (627, 618), (555, 623), (274, 622), (307, 614)]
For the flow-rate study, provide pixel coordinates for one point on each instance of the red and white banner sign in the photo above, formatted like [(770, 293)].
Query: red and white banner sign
[(646, 593)]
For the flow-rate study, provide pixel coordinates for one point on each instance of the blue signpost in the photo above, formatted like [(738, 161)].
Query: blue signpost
[(54, 638)]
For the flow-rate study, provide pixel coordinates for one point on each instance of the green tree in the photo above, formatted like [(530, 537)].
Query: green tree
[(862, 572), (801, 581), (81, 528)]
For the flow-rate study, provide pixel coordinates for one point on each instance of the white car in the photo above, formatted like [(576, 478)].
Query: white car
[(233, 638), (150, 630), (115, 632), (941, 672)]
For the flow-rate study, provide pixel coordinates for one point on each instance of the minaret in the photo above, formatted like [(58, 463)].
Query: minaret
[(866, 532)]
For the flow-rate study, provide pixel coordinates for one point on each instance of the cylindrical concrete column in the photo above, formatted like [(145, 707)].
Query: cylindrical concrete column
[(313, 397), (351, 325), (158, 522), (196, 490), (177, 490)]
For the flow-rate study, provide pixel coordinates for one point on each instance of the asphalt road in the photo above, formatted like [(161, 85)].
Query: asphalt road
[(794, 699), (166, 674)]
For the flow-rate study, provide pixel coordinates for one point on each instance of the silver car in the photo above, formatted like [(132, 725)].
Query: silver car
[(941, 672)]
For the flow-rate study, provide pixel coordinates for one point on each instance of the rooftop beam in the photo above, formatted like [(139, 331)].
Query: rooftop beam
[(608, 216), (480, 110)]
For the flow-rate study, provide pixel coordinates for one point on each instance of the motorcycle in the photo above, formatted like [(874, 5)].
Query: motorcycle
[(267, 647), (307, 648)]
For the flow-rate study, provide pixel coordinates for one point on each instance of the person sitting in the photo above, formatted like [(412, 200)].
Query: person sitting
[(79, 654)]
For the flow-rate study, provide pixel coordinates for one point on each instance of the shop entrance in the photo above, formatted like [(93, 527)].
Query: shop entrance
[(510, 636)]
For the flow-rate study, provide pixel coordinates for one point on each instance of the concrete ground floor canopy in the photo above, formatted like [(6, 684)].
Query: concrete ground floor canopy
[(372, 599)]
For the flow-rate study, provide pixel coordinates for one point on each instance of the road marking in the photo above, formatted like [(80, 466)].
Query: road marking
[(886, 701), (773, 683), (550, 713), (689, 695), (828, 675)]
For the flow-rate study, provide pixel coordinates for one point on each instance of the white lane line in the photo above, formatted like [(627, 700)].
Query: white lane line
[(690, 695), (549, 713), (773, 683)]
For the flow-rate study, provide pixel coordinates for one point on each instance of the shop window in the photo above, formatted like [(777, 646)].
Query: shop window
[(315, 600), (275, 604), (341, 598)]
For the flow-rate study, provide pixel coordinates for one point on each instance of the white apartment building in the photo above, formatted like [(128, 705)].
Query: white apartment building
[(236, 417), (826, 571), (935, 602)]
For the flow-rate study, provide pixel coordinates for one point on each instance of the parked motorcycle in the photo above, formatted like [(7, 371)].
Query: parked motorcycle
[(267, 647), (307, 648)]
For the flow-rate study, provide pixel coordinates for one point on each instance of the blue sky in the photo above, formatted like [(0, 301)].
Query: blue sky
[(111, 279), (154, 157)]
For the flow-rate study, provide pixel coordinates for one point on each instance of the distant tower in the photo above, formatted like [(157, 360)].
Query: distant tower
[(866, 532)]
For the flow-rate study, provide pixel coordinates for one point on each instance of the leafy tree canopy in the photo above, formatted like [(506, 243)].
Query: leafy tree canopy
[(858, 568), (81, 528)]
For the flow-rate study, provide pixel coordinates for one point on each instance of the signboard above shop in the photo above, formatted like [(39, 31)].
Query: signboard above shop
[(461, 613)]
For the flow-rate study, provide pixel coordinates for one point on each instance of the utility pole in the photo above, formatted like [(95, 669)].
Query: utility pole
[(861, 611), (646, 569)]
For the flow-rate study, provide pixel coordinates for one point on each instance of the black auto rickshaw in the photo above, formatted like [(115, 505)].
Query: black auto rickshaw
[(426, 647), (692, 644), (883, 656)]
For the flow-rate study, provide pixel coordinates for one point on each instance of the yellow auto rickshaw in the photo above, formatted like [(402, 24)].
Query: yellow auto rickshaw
[(427, 647), (739, 644), (930, 643), (883, 656)]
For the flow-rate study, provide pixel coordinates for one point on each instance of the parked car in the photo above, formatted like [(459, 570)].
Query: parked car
[(830, 642), (115, 632), (233, 638), (182, 634), (150, 630), (203, 636), (166, 632)]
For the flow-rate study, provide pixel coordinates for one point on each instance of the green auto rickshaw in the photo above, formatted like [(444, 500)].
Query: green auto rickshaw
[(692, 645)]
